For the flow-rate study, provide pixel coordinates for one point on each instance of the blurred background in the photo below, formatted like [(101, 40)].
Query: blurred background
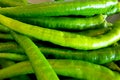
[(37, 1)]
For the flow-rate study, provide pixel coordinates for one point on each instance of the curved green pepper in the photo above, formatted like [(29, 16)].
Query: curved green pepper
[(38, 60), (72, 68), (62, 8), (61, 38), (99, 56), (66, 23)]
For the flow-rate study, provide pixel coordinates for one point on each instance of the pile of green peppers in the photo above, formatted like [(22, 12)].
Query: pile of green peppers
[(59, 40)]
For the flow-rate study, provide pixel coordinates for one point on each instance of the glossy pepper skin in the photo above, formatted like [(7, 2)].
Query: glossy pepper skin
[(62, 38), (62, 8), (67, 23)]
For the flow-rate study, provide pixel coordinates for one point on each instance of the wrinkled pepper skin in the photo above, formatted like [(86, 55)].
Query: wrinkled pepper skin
[(100, 56), (62, 8), (67, 23)]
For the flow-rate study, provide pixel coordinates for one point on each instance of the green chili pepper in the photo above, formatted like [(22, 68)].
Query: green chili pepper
[(63, 38), (5, 35), (94, 32), (62, 8), (72, 68), (37, 59), (67, 23), (116, 9), (100, 56)]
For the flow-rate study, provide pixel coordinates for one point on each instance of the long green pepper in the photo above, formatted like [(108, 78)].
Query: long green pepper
[(39, 63), (67, 23), (72, 68), (100, 56), (62, 8), (61, 38)]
